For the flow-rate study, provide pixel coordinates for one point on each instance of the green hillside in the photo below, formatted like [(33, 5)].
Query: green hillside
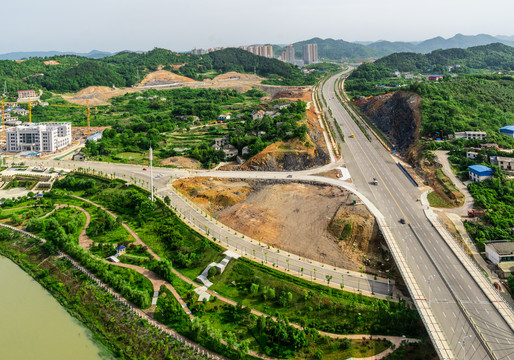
[(483, 103), (377, 78), (128, 68), (493, 57)]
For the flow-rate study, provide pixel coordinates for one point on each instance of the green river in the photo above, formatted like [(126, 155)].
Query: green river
[(33, 325)]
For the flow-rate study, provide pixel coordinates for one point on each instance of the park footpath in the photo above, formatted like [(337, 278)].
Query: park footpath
[(157, 282), (141, 314)]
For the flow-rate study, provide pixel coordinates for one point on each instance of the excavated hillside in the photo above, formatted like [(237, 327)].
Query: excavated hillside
[(311, 220), (293, 154), (399, 117)]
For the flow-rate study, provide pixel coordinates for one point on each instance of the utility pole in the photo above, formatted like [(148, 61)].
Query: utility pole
[(151, 174), (3, 121)]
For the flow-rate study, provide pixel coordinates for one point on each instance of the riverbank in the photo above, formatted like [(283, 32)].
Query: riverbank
[(113, 325)]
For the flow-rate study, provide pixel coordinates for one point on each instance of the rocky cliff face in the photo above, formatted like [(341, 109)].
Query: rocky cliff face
[(398, 116), (287, 156)]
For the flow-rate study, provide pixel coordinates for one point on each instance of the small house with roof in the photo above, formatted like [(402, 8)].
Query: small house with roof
[(120, 250), (435, 77), (471, 155), (224, 117), (480, 172), (506, 163), (95, 137), (78, 156), (230, 151), (507, 130), (258, 115), (500, 251)]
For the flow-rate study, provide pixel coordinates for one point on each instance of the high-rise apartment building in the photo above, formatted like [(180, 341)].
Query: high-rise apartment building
[(289, 53), (266, 50), (46, 137), (310, 54)]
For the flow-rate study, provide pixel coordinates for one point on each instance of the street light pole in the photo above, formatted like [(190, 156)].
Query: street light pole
[(428, 280), (463, 343)]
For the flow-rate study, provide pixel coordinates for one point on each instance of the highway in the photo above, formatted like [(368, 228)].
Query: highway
[(442, 278), (469, 323)]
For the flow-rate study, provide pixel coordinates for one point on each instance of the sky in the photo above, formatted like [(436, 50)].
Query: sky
[(115, 25)]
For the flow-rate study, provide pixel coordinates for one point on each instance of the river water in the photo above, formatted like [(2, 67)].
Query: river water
[(33, 325)]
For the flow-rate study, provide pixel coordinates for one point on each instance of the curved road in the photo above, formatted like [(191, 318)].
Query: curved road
[(471, 324)]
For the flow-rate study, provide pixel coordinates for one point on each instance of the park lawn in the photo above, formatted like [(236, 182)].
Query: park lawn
[(436, 201), (358, 349), (114, 236), (315, 305), (131, 155), (147, 230)]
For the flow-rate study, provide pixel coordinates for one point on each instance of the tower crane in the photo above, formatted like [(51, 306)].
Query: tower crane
[(88, 112)]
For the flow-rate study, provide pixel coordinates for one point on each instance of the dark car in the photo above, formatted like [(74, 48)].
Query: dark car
[(402, 220)]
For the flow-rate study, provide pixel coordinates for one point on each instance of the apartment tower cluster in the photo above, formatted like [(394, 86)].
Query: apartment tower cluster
[(261, 50), (288, 54), (310, 54)]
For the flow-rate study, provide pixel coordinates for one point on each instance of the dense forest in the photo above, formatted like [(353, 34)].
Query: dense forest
[(467, 103), (128, 68), (378, 78), (493, 57)]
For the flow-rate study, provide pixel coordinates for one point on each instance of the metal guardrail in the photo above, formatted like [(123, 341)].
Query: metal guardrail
[(409, 176)]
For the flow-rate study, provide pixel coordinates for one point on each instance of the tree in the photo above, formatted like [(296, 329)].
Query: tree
[(254, 289), (261, 324)]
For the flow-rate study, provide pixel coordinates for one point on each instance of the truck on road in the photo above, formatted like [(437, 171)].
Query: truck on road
[(475, 213)]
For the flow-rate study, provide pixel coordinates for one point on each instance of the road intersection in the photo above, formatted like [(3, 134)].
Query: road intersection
[(460, 310)]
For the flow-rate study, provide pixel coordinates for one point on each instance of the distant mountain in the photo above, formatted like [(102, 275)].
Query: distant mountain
[(388, 47), (94, 54), (337, 49), (505, 37), (458, 41)]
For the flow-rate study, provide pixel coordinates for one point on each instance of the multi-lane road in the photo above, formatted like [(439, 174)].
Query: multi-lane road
[(472, 325), (463, 321)]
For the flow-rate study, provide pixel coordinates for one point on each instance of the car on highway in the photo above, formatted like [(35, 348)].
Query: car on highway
[(144, 169), (402, 221), (289, 176), (352, 136)]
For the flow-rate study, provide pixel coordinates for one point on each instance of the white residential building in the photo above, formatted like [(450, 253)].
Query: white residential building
[(471, 155), (471, 135), (500, 251), (43, 137), (505, 163)]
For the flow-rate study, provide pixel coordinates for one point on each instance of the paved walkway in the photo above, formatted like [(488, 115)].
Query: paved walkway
[(157, 282), (442, 158), (136, 237)]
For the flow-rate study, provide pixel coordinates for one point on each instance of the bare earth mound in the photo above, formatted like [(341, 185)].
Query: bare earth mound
[(95, 95), (304, 219), (180, 161), (232, 75), (162, 77)]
